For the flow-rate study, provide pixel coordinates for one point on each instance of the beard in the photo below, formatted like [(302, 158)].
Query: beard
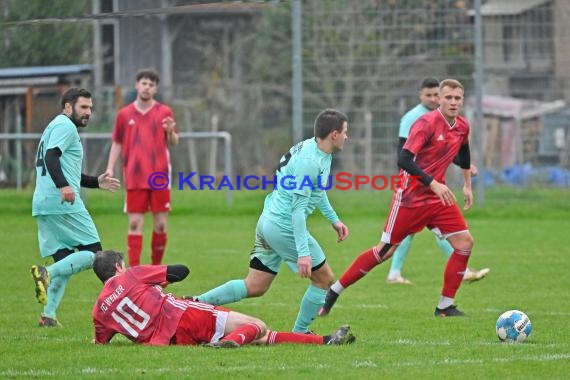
[(79, 121)]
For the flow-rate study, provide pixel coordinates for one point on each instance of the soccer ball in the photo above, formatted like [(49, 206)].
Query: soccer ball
[(513, 326)]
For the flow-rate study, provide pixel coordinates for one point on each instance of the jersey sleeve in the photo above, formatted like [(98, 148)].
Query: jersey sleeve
[(468, 128), (102, 334), (119, 129), (61, 137), (326, 209), (149, 274), (419, 135)]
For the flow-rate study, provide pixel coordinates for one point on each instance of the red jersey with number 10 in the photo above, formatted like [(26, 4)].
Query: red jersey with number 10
[(144, 143), (133, 304), (435, 144)]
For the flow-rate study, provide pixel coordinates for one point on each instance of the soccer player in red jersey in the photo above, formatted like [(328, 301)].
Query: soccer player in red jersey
[(133, 304), (143, 130), (434, 141)]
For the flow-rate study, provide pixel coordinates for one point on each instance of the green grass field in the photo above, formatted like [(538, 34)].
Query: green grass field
[(522, 235)]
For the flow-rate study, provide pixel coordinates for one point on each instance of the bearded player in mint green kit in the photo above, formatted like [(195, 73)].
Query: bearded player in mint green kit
[(66, 232), (281, 233), (429, 100)]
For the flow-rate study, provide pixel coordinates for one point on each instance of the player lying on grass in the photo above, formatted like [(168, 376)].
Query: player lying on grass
[(133, 304)]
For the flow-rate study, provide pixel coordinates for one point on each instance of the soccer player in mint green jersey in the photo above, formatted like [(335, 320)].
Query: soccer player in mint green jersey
[(281, 234), (66, 232), (429, 100)]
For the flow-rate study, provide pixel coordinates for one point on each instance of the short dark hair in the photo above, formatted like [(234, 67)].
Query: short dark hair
[(72, 94), (104, 264), (429, 83), (151, 74), (329, 120)]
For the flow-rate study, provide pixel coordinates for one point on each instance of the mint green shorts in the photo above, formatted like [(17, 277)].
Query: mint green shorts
[(58, 231), (275, 245)]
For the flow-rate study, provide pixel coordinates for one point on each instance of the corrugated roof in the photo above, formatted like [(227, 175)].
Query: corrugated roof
[(21, 72), (509, 7)]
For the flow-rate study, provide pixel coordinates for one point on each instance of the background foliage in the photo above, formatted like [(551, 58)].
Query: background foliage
[(44, 44)]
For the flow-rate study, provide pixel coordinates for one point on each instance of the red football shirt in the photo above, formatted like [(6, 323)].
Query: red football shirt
[(435, 144), (133, 304), (144, 143)]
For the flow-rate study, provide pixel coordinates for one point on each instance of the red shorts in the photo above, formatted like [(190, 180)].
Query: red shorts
[(402, 221), (201, 323), (143, 200)]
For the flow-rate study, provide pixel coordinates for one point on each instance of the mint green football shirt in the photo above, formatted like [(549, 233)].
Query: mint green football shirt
[(60, 133), (410, 118), (304, 170)]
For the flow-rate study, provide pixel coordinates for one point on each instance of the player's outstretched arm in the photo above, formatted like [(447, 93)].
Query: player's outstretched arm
[(107, 182)]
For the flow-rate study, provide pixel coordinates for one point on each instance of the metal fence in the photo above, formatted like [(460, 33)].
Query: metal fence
[(367, 58), (96, 150)]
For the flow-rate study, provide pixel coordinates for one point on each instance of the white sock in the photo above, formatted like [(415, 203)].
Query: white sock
[(445, 302), (337, 287)]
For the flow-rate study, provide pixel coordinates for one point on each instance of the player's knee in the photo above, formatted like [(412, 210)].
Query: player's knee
[(256, 290), (325, 283), (324, 280), (322, 275), (262, 327), (160, 228), (470, 242), (256, 287), (135, 225), (467, 241), (463, 241)]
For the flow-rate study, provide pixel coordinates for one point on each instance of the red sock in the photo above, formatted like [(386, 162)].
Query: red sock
[(276, 337), (453, 275), (134, 248), (244, 334), (158, 244), (360, 267)]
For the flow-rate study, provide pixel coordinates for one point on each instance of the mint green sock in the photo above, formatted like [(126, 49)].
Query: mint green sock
[(72, 264), (231, 291), (444, 245), (312, 301), (400, 255), (55, 292)]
